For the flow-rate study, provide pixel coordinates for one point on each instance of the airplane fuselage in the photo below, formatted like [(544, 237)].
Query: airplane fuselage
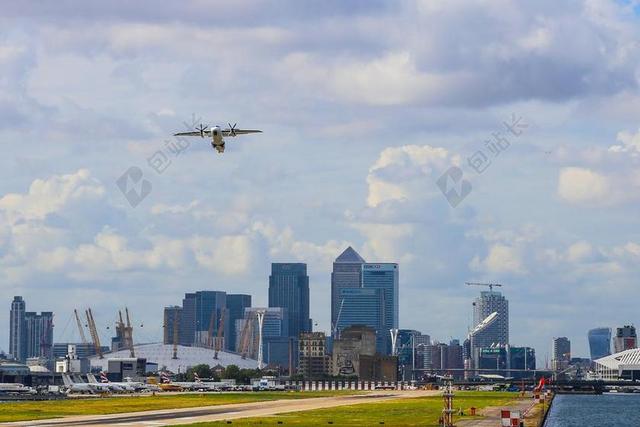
[(217, 139)]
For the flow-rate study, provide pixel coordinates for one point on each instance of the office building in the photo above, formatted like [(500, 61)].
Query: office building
[(625, 338), (560, 354), (39, 331), (493, 359), (354, 355), (17, 334), (455, 359), (202, 311), (276, 339), (236, 304), (364, 307), (289, 289), (599, 342), (354, 343), (521, 360), (496, 333), (385, 277), (172, 318), (30, 333), (347, 274), (406, 352), (314, 361), (81, 350)]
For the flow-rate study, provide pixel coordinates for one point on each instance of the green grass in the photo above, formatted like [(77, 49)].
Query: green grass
[(421, 411), (24, 411)]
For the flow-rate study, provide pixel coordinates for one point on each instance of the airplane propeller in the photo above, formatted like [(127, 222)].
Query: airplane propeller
[(202, 129), (232, 129)]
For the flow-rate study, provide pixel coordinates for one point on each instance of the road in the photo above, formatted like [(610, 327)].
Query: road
[(221, 412)]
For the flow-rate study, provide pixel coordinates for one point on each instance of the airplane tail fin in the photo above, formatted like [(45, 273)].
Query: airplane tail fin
[(197, 377), (92, 379), (103, 377), (66, 380)]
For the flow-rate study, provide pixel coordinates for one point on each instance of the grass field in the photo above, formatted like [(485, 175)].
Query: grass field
[(23, 411), (422, 411)]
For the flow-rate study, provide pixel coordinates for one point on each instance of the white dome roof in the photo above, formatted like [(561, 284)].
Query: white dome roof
[(162, 354)]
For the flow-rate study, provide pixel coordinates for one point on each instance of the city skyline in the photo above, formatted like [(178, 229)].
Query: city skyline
[(373, 117)]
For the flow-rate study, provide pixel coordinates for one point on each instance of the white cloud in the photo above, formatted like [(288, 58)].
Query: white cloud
[(501, 259), (630, 143), (581, 185), (403, 172), (49, 196)]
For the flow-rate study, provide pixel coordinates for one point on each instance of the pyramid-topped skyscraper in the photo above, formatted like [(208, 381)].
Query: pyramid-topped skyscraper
[(347, 273)]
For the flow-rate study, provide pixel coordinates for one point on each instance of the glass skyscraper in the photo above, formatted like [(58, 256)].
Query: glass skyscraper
[(347, 273), (599, 342), (197, 311), (498, 332), (236, 304), (172, 319), (363, 307), (386, 277), (289, 288), (373, 303), (39, 331)]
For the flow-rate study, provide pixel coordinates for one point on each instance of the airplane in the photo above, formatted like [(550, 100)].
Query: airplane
[(74, 387), (217, 134), (105, 387), (127, 385), (196, 385)]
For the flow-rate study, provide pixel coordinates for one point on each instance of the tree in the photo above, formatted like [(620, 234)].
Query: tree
[(232, 372), (203, 371)]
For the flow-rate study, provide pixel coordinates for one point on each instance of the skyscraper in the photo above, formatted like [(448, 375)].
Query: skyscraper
[(199, 310), (275, 334), (497, 333), (599, 342), (347, 274), (236, 304), (561, 353), (385, 277), (625, 338), (289, 288), (39, 331), (364, 307), (172, 318), (373, 303), (17, 335)]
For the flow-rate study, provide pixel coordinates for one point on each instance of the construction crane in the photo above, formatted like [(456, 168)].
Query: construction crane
[(212, 322), (247, 332), (490, 285), (128, 334), (80, 328), (120, 331), (220, 334), (334, 331), (94, 333), (175, 335)]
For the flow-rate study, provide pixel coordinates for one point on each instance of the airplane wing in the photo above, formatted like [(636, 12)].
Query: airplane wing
[(193, 133), (227, 132)]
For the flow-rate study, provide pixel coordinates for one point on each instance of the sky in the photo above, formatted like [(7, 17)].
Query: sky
[(486, 141)]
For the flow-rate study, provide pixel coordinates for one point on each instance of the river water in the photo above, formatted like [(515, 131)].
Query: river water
[(609, 409)]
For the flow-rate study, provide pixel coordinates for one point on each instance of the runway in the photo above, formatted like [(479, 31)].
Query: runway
[(167, 417)]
